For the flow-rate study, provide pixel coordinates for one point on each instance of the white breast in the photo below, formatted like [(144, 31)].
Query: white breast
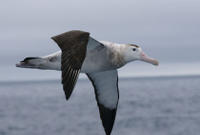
[(101, 58)]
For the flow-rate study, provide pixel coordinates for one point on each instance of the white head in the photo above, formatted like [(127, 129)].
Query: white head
[(133, 52)]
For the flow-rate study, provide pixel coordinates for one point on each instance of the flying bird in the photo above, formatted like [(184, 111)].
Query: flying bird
[(99, 60)]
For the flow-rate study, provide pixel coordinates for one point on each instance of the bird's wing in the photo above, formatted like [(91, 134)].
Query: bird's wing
[(107, 96), (94, 45), (74, 45)]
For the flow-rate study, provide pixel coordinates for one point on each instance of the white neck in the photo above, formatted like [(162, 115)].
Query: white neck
[(117, 51)]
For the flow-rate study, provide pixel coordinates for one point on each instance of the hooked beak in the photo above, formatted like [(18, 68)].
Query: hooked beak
[(148, 59)]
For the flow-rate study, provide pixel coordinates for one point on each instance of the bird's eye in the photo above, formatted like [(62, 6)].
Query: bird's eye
[(134, 49)]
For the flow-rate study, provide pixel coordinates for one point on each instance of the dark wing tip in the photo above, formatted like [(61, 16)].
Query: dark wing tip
[(68, 92), (67, 96), (108, 118)]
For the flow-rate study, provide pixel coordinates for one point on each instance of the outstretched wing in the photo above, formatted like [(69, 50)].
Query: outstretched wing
[(73, 45), (107, 96)]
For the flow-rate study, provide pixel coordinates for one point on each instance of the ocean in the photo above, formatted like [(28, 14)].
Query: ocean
[(147, 106)]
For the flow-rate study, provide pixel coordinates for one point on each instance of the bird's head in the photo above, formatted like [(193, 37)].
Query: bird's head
[(134, 52)]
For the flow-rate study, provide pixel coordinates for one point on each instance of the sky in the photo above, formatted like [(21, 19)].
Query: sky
[(167, 30)]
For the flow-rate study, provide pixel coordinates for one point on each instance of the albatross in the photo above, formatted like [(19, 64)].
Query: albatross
[(99, 60)]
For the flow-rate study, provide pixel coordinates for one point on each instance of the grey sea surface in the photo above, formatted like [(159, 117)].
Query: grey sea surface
[(147, 106)]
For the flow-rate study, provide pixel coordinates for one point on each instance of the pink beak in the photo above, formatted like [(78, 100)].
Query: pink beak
[(148, 59)]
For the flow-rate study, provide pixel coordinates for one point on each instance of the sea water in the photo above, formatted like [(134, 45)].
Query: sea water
[(147, 106)]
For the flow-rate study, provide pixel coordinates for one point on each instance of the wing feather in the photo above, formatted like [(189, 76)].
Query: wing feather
[(107, 96), (73, 45)]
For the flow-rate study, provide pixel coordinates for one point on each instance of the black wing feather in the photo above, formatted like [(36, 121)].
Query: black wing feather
[(73, 45)]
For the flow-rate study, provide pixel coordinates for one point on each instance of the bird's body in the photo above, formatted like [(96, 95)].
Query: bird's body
[(98, 60), (108, 56)]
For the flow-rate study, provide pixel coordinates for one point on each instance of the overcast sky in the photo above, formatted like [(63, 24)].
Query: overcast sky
[(168, 30)]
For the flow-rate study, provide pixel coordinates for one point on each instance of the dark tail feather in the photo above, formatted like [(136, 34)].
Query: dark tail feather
[(31, 62), (30, 58)]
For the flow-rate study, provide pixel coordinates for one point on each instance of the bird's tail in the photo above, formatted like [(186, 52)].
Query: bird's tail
[(33, 62)]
